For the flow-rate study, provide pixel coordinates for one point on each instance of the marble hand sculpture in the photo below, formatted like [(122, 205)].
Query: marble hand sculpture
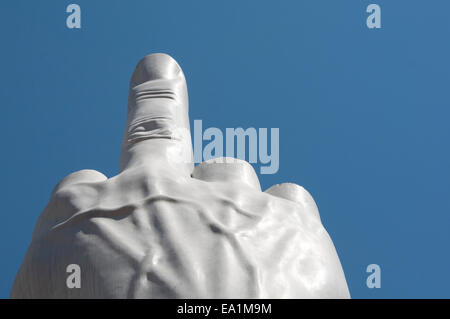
[(164, 229)]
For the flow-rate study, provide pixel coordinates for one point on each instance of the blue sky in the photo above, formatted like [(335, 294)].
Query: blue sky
[(363, 114)]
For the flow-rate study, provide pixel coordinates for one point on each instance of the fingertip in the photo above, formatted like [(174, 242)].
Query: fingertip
[(156, 66)]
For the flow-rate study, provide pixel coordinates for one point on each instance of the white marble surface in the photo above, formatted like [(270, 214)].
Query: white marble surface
[(162, 229)]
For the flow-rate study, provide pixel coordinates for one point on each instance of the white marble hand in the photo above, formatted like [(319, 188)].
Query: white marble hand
[(162, 229)]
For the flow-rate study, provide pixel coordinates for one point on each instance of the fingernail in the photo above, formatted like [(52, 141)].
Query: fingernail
[(157, 66)]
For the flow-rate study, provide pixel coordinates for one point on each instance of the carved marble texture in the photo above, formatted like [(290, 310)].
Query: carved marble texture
[(164, 229)]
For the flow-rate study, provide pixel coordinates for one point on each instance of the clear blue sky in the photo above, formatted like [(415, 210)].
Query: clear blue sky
[(363, 114)]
